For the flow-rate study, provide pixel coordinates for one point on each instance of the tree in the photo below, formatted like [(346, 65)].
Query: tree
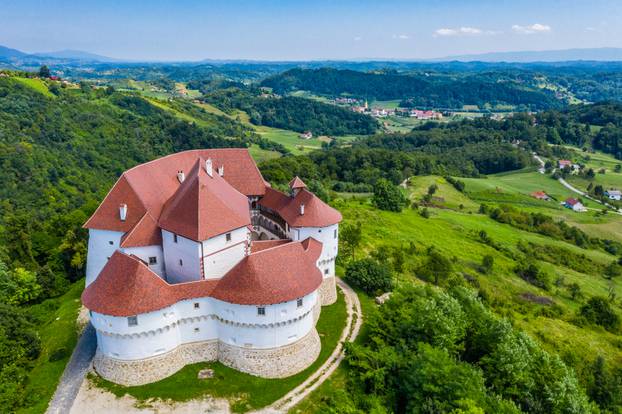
[(369, 275), (44, 72), (575, 290), (604, 387), (487, 263), (387, 196), (432, 189), (437, 267), (612, 270), (598, 311), (350, 237)]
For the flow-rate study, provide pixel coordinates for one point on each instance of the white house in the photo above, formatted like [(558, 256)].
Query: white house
[(614, 194), (194, 257), (575, 205)]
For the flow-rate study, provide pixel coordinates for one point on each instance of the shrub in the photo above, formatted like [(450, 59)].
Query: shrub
[(369, 275), (387, 196), (598, 311), (531, 273)]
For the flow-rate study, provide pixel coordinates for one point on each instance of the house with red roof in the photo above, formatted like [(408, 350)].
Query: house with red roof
[(575, 205), (195, 257)]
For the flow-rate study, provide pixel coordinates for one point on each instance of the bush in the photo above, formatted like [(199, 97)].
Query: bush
[(387, 196), (531, 273), (369, 275), (598, 311)]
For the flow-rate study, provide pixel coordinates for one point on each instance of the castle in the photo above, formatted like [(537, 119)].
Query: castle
[(194, 257)]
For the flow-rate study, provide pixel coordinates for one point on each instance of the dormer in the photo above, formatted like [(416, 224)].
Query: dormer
[(123, 211), (295, 185)]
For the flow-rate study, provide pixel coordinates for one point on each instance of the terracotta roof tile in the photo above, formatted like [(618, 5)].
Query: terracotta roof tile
[(316, 212), (145, 233), (151, 184), (259, 245), (126, 286), (204, 206), (296, 182), (274, 275)]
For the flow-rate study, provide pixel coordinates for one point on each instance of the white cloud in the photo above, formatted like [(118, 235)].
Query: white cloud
[(463, 31), (357, 38), (401, 37), (531, 29)]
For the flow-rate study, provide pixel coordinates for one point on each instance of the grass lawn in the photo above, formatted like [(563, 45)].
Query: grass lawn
[(57, 330), (36, 84), (244, 391), (260, 155)]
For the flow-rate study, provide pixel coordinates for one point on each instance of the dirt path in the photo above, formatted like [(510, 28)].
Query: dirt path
[(74, 373), (353, 326)]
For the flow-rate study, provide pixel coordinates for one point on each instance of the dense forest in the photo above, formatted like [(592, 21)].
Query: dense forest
[(296, 114), (415, 90)]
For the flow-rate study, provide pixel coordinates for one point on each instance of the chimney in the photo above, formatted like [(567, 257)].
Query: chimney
[(221, 170), (302, 209), (181, 176), (123, 211), (208, 167)]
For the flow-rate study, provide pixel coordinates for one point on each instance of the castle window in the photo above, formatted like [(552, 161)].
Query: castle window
[(174, 238), (181, 262), (335, 233), (228, 236), (319, 231), (299, 302), (110, 242), (132, 320), (325, 271), (196, 329), (196, 305), (153, 260), (261, 311)]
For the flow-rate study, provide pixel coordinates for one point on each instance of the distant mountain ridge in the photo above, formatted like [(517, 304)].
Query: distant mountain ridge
[(76, 55), (606, 54)]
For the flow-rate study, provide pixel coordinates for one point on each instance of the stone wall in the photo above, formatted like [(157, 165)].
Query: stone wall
[(272, 363), (268, 363), (328, 291), (153, 369)]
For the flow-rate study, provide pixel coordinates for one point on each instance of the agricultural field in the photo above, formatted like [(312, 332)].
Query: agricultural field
[(36, 84)]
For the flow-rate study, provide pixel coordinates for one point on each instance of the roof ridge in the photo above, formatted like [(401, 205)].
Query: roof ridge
[(291, 242)]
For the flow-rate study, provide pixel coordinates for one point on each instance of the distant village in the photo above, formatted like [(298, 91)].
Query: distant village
[(377, 112)]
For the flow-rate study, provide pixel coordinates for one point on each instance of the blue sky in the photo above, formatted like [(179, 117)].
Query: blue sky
[(301, 30)]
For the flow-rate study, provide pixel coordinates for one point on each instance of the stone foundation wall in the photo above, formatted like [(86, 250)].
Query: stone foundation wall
[(328, 291), (268, 363), (275, 362), (154, 369)]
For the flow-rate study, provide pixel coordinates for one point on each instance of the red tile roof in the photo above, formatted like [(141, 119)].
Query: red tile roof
[(571, 201), (147, 187), (204, 206), (259, 245), (145, 233), (126, 286), (274, 275), (316, 212), (296, 182)]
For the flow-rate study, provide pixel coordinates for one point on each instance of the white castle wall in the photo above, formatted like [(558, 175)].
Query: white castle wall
[(329, 237), (145, 252), (220, 255), (164, 330), (102, 244), (186, 250)]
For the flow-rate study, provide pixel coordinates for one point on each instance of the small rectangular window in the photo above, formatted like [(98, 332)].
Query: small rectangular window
[(228, 236), (110, 242), (325, 271), (132, 320), (174, 238), (335, 233), (196, 329), (153, 260), (299, 302), (196, 305), (261, 311), (181, 262)]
